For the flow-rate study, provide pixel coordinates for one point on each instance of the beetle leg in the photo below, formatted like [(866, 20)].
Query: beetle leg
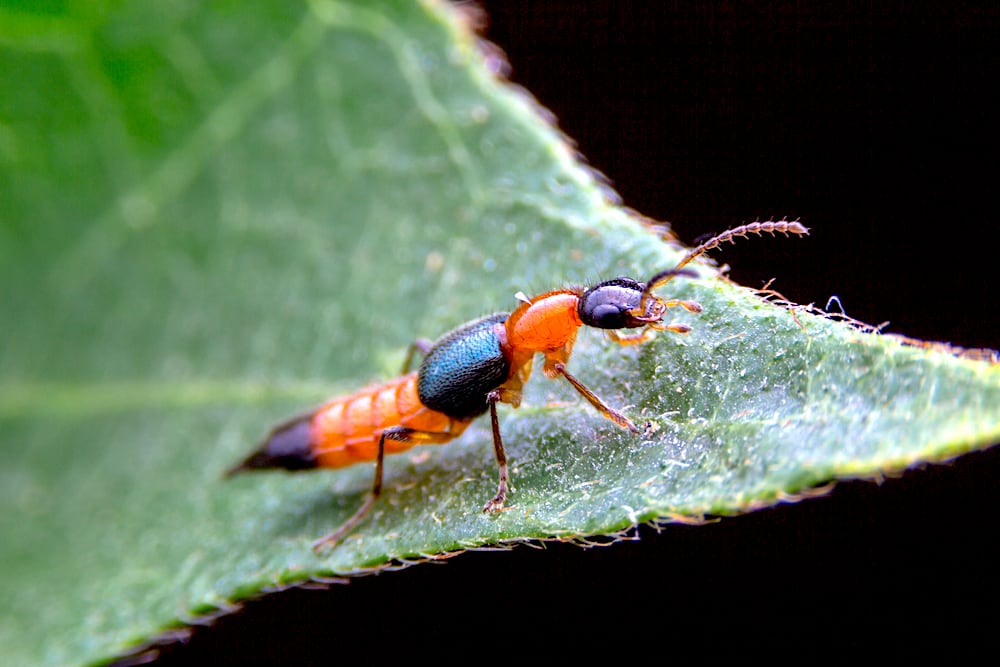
[(612, 414), (401, 434), (646, 333), (421, 345), (631, 338), (496, 504)]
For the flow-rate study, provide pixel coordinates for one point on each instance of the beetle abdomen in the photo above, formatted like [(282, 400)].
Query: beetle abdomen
[(347, 429), (462, 367)]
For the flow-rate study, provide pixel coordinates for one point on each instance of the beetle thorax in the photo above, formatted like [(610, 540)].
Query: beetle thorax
[(548, 322)]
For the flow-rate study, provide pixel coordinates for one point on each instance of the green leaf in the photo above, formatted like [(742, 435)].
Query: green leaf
[(216, 215)]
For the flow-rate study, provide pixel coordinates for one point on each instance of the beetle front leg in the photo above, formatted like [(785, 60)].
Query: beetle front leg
[(647, 333)]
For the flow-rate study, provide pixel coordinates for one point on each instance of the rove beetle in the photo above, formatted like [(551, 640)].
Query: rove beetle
[(466, 372)]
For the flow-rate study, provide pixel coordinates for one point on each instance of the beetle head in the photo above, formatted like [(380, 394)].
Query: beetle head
[(624, 303)]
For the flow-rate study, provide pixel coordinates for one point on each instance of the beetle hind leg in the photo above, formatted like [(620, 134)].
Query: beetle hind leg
[(398, 433)]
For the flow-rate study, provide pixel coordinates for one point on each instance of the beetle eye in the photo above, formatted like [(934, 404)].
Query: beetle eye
[(607, 316)]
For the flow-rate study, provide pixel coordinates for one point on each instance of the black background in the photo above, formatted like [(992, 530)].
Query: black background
[(876, 124)]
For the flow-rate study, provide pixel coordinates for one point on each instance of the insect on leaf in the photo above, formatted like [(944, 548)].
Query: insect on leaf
[(215, 216)]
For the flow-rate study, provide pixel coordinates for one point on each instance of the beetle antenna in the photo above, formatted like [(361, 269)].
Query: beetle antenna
[(783, 226)]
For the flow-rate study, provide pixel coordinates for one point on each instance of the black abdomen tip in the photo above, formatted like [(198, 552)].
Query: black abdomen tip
[(288, 446)]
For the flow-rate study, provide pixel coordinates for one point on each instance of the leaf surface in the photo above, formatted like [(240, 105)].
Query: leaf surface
[(216, 215)]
